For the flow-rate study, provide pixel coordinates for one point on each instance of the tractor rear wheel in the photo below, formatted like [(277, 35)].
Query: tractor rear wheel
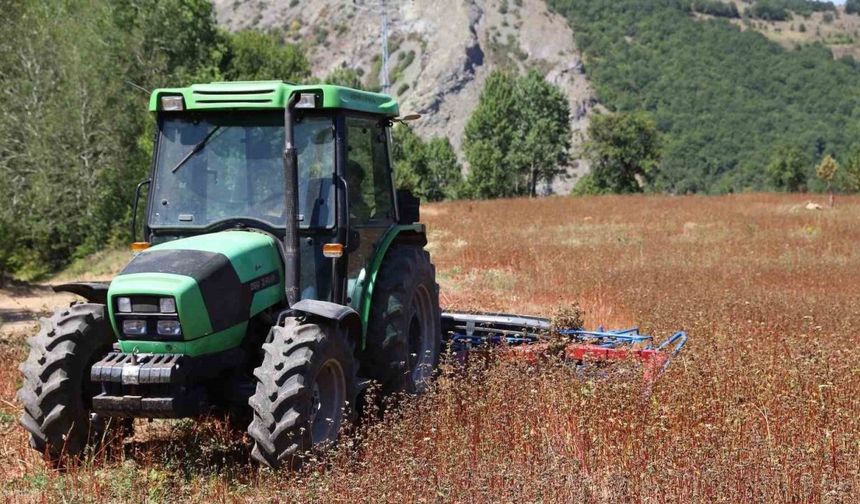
[(306, 391), (57, 392), (404, 336)]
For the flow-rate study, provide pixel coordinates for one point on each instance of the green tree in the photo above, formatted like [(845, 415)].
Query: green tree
[(429, 169), (826, 171), (348, 77), (769, 10), (489, 133), (541, 150), (585, 186), (517, 136), (254, 55), (407, 152), (849, 173), (716, 8), (623, 149), (787, 168), (445, 174), (65, 139), (166, 42)]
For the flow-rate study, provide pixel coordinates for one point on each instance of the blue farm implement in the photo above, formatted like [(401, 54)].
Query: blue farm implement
[(527, 339)]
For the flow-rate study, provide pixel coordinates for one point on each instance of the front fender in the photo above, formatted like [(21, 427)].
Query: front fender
[(344, 316), (94, 292)]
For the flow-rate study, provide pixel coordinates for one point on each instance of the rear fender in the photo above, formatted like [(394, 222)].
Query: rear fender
[(413, 234), (94, 292), (342, 316)]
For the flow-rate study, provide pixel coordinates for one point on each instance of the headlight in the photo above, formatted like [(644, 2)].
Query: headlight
[(134, 327), (167, 305), (307, 100), (172, 103), (123, 304), (168, 328)]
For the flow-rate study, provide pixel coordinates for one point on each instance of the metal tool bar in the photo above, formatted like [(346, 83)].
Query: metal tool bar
[(467, 331)]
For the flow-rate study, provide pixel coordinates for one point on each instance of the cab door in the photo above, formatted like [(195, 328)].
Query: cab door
[(370, 193)]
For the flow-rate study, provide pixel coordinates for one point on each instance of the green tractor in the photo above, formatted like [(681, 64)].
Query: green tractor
[(280, 273)]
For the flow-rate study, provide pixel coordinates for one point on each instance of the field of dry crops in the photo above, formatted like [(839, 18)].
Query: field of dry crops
[(762, 406)]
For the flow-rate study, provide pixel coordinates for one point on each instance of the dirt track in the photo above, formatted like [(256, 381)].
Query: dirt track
[(21, 306)]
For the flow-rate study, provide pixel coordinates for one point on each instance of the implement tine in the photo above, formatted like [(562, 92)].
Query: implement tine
[(632, 330), (624, 337)]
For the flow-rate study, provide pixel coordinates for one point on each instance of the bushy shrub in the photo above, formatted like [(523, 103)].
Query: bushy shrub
[(787, 168), (716, 8), (769, 10), (623, 149)]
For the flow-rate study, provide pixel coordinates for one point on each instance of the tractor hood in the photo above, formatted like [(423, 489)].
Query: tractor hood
[(211, 284)]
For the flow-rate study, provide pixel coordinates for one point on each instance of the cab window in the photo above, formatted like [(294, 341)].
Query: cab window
[(367, 172)]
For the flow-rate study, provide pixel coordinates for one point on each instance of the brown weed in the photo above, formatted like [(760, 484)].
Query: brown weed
[(763, 405)]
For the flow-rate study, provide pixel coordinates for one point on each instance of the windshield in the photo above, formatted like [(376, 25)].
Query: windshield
[(237, 170)]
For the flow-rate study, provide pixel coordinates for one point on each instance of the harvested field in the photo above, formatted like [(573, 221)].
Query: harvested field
[(763, 405)]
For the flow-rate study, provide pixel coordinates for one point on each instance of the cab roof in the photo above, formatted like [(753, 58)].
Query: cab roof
[(267, 95)]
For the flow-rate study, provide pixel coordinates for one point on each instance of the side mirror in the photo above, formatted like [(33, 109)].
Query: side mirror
[(134, 208), (353, 241), (408, 206)]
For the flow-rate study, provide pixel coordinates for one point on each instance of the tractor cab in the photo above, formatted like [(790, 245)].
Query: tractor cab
[(219, 164)]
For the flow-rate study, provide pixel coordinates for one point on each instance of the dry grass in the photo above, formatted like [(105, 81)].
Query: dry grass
[(763, 405), (100, 266)]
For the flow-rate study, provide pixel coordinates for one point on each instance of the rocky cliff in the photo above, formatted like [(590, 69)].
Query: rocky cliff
[(441, 50)]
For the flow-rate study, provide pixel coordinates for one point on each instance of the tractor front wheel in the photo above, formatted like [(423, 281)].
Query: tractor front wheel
[(306, 391), (57, 392)]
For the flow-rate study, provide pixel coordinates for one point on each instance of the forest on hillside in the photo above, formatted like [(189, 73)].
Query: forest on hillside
[(725, 101), (75, 134)]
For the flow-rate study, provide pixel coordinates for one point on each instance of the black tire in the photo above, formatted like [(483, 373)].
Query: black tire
[(404, 336), (57, 392), (288, 420)]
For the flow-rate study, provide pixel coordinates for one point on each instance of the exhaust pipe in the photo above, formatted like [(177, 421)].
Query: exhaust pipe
[(292, 259)]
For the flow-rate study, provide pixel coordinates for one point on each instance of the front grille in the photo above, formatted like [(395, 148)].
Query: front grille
[(137, 369), (159, 385), (263, 95), (145, 385), (235, 92)]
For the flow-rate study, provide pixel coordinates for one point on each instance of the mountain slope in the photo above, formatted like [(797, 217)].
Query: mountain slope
[(725, 99), (441, 50)]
